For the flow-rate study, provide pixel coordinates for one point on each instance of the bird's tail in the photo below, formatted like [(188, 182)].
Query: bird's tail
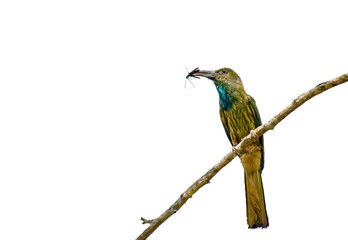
[(255, 200)]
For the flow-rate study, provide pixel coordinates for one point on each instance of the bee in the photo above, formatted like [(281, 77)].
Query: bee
[(190, 74)]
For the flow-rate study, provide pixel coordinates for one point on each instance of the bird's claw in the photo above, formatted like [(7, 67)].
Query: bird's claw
[(253, 134), (235, 150)]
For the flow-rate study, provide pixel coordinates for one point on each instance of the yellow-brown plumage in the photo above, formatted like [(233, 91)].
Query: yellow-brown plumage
[(239, 115)]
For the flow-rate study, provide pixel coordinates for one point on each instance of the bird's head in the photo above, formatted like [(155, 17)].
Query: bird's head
[(227, 83), (220, 76)]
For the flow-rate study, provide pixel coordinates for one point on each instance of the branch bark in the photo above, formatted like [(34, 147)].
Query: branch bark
[(155, 223)]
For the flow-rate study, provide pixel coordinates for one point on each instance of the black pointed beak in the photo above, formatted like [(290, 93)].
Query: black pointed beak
[(201, 73)]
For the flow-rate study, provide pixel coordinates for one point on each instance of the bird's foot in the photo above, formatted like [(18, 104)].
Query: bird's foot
[(253, 134), (235, 150)]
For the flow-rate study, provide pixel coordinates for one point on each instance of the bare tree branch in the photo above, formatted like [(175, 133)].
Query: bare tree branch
[(155, 223)]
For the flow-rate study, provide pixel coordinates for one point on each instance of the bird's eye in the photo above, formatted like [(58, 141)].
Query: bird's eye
[(223, 71)]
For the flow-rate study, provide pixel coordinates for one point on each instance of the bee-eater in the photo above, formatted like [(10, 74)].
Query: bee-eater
[(239, 116)]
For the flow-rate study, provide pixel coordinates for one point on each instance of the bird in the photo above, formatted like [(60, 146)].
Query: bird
[(240, 116)]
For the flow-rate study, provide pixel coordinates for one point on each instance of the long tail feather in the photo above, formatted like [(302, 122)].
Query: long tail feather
[(255, 200)]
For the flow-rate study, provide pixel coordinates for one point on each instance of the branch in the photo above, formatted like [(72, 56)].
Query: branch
[(155, 223)]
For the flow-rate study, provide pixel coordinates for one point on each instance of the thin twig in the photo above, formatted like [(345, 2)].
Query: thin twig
[(155, 223)]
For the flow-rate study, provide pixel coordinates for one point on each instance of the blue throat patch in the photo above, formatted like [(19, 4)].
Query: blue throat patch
[(225, 101)]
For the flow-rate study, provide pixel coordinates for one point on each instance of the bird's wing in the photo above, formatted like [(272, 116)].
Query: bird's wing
[(255, 112), (257, 120)]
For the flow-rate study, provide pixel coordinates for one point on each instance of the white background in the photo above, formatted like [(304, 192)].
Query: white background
[(97, 128)]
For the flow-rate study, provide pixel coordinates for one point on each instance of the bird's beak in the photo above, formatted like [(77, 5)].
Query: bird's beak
[(202, 73)]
